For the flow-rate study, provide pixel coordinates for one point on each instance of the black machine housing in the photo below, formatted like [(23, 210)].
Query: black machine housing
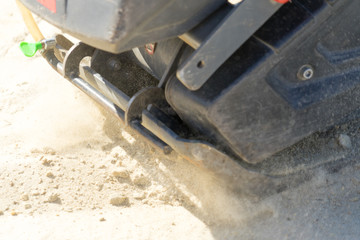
[(256, 102), (297, 74)]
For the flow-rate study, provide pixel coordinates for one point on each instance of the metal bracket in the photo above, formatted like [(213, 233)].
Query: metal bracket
[(74, 56), (133, 114), (237, 27), (139, 102), (62, 46), (171, 69)]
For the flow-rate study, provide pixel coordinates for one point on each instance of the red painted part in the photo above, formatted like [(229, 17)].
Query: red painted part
[(150, 48), (282, 1), (49, 4)]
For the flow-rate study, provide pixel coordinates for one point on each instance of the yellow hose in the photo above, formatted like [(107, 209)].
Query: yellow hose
[(30, 22)]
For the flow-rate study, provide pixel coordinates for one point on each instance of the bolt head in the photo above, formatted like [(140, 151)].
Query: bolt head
[(306, 72), (114, 65)]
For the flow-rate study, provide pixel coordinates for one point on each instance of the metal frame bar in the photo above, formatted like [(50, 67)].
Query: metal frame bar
[(237, 27)]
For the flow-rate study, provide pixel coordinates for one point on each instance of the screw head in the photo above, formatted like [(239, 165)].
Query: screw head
[(305, 72)]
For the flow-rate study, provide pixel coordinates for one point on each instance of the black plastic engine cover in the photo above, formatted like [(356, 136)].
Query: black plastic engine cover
[(119, 25), (256, 105)]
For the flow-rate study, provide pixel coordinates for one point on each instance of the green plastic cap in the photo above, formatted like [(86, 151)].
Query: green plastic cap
[(29, 49)]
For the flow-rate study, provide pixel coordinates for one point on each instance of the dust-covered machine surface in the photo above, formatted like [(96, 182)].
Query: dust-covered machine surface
[(228, 85)]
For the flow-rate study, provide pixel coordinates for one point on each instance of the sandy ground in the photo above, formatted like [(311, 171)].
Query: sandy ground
[(69, 171)]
